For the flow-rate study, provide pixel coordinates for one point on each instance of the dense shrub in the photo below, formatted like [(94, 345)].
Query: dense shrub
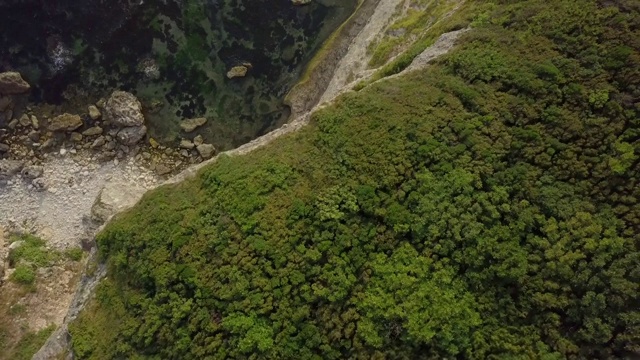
[(486, 207)]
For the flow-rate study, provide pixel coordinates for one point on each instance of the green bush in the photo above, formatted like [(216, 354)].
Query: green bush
[(74, 254), (24, 274), (33, 251)]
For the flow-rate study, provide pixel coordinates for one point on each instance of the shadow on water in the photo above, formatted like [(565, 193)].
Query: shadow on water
[(173, 54)]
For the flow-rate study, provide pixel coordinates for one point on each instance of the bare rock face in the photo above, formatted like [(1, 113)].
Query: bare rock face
[(131, 135), (124, 109), (65, 122), (12, 83), (114, 198)]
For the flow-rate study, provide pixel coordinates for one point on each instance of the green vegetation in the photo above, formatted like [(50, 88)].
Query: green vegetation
[(416, 25), (74, 254), (31, 343), (33, 254), (485, 208), (24, 274), (32, 251)]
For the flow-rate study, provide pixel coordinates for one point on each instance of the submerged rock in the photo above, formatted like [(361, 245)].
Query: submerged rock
[(124, 109), (12, 83), (237, 71), (190, 125), (65, 122)]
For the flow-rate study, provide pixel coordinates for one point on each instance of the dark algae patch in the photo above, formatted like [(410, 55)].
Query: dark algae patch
[(173, 55)]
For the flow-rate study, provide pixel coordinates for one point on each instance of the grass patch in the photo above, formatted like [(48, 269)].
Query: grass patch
[(17, 309)]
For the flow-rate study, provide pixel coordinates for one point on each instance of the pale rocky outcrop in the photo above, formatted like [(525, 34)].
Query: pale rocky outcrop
[(12, 83), (114, 197)]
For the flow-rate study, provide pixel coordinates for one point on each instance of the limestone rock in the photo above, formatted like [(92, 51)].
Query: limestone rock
[(206, 150), (16, 244), (238, 71), (124, 109), (4, 148), (162, 169), (98, 142), (9, 168), (34, 136), (65, 122), (94, 113), (131, 135), (198, 140), (5, 102), (92, 131), (35, 122), (114, 198), (190, 125), (25, 120), (186, 144), (76, 137), (12, 83), (32, 172)]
